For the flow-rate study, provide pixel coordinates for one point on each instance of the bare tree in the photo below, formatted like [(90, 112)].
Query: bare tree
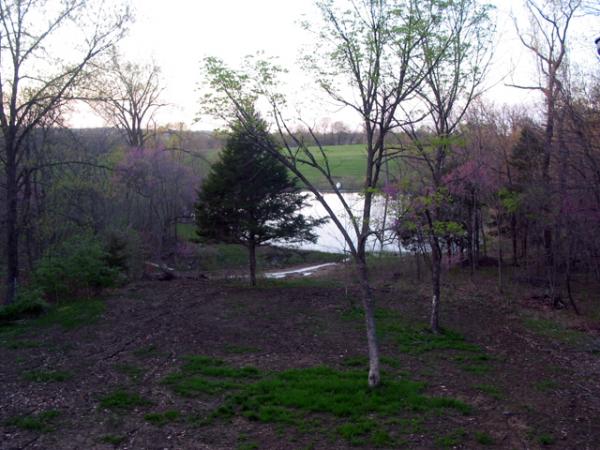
[(546, 39), (36, 81), (127, 95)]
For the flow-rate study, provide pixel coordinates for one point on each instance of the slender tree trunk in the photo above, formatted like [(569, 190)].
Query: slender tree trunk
[(369, 308), (12, 231), (513, 233), (500, 288), (436, 269), (252, 262)]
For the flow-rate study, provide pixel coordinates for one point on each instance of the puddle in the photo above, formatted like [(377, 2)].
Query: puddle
[(303, 271)]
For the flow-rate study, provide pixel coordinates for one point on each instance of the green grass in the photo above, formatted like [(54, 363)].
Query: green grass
[(43, 422), (161, 419), (546, 385), (490, 390), (72, 314), (47, 376), (293, 397), (68, 315), (451, 439), (554, 330), (112, 439), (121, 399), (347, 163), (240, 349), (484, 438), (546, 439), (18, 344), (202, 375), (410, 338)]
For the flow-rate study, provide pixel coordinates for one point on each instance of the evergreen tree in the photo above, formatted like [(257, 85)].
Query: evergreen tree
[(249, 197)]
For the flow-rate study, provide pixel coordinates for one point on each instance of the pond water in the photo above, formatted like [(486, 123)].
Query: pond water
[(330, 239)]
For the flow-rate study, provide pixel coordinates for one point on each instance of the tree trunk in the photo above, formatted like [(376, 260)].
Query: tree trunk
[(252, 262), (499, 254), (12, 231), (513, 232), (436, 269), (369, 308)]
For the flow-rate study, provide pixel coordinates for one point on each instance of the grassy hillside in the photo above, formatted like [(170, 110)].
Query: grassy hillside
[(347, 162)]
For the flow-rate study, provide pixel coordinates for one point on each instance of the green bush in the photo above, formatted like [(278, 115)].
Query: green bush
[(80, 264), (29, 303)]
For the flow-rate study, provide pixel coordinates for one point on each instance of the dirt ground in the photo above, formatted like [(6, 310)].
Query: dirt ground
[(530, 387)]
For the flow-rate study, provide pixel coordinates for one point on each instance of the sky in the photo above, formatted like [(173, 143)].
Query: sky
[(178, 35)]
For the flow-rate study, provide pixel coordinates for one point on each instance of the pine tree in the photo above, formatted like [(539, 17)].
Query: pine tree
[(249, 197)]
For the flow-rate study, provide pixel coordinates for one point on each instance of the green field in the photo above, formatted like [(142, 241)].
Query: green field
[(347, 163)]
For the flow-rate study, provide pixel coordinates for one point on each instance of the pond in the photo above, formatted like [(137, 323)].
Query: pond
[(330, 239)]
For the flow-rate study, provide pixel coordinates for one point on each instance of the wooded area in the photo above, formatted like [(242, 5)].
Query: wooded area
[(472, 190)]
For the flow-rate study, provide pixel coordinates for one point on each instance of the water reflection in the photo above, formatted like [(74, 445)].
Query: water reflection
[(331, 239)]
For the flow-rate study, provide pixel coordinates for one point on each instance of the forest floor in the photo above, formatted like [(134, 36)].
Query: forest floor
[(209, 364)]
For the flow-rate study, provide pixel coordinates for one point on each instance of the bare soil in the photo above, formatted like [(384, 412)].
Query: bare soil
[(537, 389)]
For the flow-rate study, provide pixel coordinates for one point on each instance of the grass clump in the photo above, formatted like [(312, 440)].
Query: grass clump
[(546, 439), (203, 375), (490, 390), (112, 439), (123, 400), (546, 385), (27, 306), (554, 330), (452, 439), (484, 438), (292, 397), (161, 419), (72, 314), (47, 376), (43, 422)]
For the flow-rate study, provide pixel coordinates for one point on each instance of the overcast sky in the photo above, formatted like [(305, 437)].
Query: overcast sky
[(177, 35)]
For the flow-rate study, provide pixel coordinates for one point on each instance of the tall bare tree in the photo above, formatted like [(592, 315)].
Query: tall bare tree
[(127, 95), (39, 73)]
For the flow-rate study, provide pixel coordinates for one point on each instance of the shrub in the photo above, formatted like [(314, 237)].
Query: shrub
[(29, 304), (79, 264)]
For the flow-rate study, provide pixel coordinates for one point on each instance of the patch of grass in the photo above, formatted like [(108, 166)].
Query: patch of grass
[(247, 446), (340, 393), (123, 400), (112, 439), (490, 390), (161, 419), (43, 422), (451, 439), (483, 438), (554, 330), (478, 369), (240, 349), (546, 439), (133, 372), (410, 338), (47, 376), (202, 375), (18, 344), (546, 385), (72, 314), (292, 397)]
